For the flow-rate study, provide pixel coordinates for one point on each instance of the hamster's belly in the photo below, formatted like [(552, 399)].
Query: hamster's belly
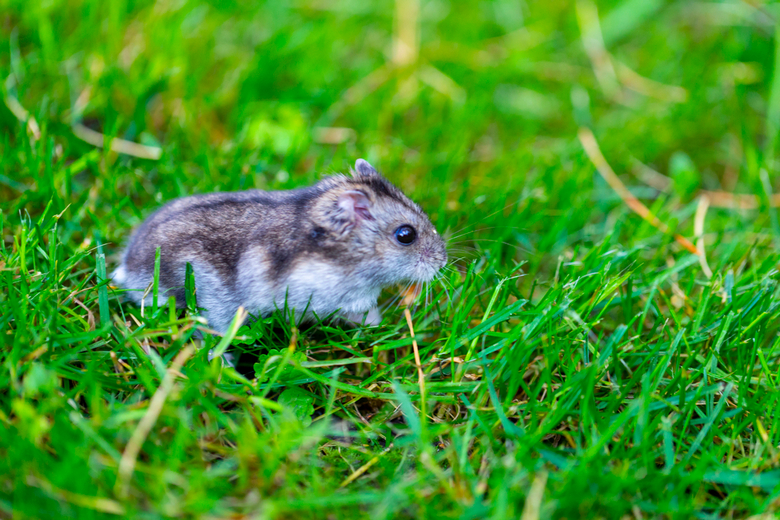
[(324, 289), (315, 286)]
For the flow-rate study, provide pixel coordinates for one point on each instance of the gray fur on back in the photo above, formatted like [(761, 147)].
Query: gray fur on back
[(328, 247)]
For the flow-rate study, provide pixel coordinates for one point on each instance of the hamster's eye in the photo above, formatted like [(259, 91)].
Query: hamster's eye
[(405, 235)]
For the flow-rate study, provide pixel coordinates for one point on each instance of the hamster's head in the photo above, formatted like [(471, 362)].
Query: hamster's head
[(380, 232)]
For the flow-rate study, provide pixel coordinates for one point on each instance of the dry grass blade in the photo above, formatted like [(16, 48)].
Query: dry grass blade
[(361, 89), (365, 467), (117, 145), (404, 65), (716, 199), (133, 448), (591, 147), (420, 374), (104, 505), (533, 503), (724, 199), (406, 47), (437, 80), (611, 74), (698, 230), (651, 177), (23, 115), (333, 135), (593, 41), (90, 316), (648, 87)]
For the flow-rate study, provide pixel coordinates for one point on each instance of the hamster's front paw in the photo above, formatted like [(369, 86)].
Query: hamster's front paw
[(228, 359), (372, 318)]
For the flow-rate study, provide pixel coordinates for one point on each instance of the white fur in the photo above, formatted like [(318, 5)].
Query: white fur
[(214, 295), (119, 277), (327, 289), (316, 286)]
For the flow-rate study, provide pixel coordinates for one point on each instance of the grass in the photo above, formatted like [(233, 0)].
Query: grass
[(578, 360)]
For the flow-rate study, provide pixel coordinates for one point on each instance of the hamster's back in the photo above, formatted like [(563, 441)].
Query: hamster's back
[(209, 231)]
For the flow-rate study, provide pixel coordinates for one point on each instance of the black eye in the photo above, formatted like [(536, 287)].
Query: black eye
[(405, 235)]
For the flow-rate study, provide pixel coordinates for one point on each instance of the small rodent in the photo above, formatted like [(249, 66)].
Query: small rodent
[(328, 247)]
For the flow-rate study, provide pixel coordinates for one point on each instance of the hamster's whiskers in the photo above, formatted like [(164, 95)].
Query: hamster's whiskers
[(441, 279), (465, 230)]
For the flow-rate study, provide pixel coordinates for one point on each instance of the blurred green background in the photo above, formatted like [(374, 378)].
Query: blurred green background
[(467, 105)]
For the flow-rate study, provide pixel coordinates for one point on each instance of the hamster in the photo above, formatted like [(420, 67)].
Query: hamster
[(324, 249)]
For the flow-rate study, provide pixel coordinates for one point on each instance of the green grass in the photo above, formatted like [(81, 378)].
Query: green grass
[(598, 371)]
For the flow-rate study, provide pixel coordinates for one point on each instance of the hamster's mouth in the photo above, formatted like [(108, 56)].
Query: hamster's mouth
[(431, 261), (427, 272)]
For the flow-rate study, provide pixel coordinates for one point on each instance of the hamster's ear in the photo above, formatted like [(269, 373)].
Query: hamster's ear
[(355, 205), (363, 168)]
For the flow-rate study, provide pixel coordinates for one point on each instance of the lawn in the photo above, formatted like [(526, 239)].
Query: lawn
[(604, 342)]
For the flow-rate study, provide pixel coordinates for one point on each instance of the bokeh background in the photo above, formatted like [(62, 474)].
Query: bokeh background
[(469, 106)]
